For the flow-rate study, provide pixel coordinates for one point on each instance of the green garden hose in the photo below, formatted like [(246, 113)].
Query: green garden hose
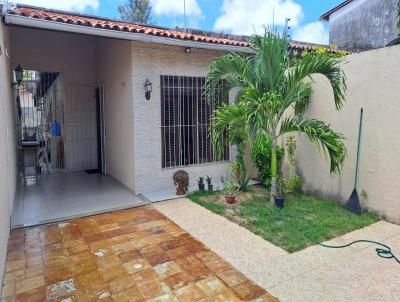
[(385, 252)]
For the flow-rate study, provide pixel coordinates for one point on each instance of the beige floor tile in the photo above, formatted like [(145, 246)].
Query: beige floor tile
[(189, 293), (29, 284), (129, 295), (34, 295), (15, 265), (136, 265), (8, 290), (232, 277), (121, 284), (211, 286), (105, 263), (167, 269), (144, 277), (152, 289)]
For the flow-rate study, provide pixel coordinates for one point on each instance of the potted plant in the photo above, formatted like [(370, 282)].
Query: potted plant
[(239, 173), (235, 168), (209, 185), (279, 199), (201, 184), (230, 191), (181, 181)]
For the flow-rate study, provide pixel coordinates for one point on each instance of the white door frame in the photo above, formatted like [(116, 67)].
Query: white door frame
[(103, 135)]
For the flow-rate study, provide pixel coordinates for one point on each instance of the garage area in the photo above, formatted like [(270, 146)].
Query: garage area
[(74, 112)]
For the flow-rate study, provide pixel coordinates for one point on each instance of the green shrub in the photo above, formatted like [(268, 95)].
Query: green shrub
[(293, 184), (239, 173), (261, 157)]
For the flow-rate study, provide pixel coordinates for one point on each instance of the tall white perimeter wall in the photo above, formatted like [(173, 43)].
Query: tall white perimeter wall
[(373, 80), (8, 165)]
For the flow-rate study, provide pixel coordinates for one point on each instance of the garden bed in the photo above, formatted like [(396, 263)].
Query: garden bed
[(303, 221)]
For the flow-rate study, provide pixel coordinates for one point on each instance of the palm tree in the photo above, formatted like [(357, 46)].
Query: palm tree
[(135, 11), (273, 97)]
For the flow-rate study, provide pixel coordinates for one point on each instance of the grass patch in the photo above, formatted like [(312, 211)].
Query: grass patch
[(208, 204), (303, 221)]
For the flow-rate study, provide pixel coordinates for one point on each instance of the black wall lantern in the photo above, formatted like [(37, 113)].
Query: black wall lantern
[(148, 87), (19, 74)]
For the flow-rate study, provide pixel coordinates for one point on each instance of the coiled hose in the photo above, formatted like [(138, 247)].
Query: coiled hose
[(385, 252)]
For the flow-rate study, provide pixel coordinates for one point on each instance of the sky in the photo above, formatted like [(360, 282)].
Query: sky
[(243, 17)]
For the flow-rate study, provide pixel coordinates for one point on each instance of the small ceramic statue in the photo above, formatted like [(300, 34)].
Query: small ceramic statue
[(181, 181)]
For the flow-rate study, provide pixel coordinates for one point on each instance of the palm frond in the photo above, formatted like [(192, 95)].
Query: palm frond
[(301, 99), (298, 98), (234, 69), (318, 64), (227, 127), (270, 60), (256, 41), (321, 136)]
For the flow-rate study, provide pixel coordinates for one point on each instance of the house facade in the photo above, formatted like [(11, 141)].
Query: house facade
[(133, 142), (140, 142), (114, 110), (91, 83), (359, 25)]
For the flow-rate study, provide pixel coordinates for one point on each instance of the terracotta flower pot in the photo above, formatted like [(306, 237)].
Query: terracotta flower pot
[(230, 199)]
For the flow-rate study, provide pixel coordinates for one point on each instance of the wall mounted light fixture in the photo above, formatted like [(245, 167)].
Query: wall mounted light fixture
[(19, 75), (187, 50), (148, 87)]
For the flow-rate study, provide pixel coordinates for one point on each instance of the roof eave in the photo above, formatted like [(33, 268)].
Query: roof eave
[(12, 19), (325, 17)]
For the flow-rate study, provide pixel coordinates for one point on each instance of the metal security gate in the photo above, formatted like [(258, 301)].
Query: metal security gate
[(58, 125), (39, 101)]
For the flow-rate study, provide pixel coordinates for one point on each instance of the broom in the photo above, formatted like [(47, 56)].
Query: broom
[(353, 203)]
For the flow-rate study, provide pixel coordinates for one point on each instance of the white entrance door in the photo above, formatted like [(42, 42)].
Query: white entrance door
[(80, 128)]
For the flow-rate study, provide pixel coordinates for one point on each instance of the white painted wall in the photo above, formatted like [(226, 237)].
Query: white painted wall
[(70, 54), (8, 165), (151, 61), (373, 79), (114, 72)]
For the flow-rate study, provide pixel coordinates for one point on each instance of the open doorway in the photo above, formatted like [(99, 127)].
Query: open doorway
[(59, 126), (39, 99)]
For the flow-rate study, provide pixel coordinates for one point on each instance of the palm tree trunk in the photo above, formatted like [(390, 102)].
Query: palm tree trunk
[(274, 171)]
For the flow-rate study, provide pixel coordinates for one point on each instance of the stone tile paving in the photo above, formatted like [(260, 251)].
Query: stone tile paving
[(129, 255), (313, 274)]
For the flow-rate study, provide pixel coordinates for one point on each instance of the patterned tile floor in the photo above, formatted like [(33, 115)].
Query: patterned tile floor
[(130, 255)]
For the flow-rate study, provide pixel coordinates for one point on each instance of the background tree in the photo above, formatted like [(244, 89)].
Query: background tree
[(270, 84), (135, 11)]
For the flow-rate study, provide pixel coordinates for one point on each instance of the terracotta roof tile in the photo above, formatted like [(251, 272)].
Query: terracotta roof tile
[(102, 23), (70, 18)]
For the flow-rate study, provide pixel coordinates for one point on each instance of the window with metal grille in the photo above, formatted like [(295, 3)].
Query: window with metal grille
[(185, 120)]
